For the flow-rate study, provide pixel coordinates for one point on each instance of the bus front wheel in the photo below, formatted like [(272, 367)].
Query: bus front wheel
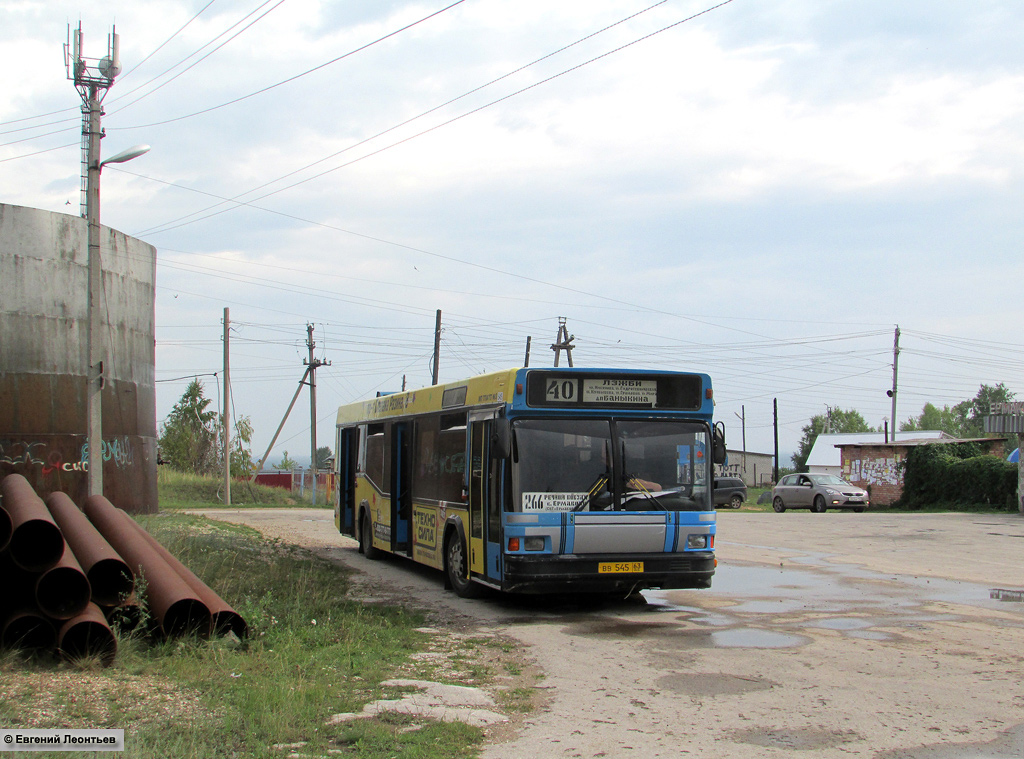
[(457, 568), (366, 540)]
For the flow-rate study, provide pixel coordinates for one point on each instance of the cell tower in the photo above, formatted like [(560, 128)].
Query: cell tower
[(92, 78)]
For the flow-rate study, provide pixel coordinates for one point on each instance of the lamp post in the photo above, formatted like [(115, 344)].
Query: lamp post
[(92, 79), (97, 331)]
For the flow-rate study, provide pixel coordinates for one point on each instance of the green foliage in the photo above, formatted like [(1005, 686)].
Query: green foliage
[(242, 464), (286, 464), (965, 419), (312, 652), (323, 456), (186, 490), (957, 475), (837, 420), (190, 438)]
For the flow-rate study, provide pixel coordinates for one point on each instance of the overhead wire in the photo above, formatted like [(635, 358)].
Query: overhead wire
[(296, 77)]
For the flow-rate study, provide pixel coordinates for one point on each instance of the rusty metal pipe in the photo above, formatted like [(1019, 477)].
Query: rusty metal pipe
[(176, 607), (5, 527), (225, 619), (28, 628), (36, 542), (109, 576), (88, 634), (63, 591), (126, 616)]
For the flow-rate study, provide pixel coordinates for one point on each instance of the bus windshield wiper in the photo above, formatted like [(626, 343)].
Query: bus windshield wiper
[(599, 483)]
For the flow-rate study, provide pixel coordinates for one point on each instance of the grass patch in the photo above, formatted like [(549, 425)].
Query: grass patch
[(312, 652), (180, 490)]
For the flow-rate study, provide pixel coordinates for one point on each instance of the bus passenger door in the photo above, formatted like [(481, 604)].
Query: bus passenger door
[(401, 485), (348, 457), (484, 495)]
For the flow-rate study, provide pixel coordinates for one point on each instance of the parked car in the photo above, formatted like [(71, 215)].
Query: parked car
[(817, 492), (731, 491)]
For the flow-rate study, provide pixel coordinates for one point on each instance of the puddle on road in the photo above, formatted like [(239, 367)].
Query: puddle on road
[(814, 587), (751, 637), (768, 607)]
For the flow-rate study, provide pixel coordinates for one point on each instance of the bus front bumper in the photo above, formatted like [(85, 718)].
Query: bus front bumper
[(576, 573)]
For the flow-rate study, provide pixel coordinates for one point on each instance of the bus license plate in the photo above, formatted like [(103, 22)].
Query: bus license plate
[(620, 567)]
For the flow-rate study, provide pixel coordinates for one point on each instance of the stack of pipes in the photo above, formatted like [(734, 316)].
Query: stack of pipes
[(65, 574)]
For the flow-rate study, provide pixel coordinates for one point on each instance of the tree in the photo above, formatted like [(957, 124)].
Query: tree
[(188, 437), (323, 455), (965, 419), (286, 463), (242, 464), (837, 420)]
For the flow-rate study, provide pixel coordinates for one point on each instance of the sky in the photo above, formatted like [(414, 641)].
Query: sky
[(762, 191)]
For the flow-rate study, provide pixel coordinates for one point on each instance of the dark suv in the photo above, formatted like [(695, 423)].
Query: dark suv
[(730, 491)]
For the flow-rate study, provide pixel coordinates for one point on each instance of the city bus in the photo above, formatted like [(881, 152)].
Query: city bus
[(537, 480)]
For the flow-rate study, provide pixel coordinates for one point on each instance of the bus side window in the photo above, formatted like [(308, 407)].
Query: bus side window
[(375, 456), (451, 458), (427, 471)]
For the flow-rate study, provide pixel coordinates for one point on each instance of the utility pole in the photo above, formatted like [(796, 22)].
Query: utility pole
[(526, 361), (227, 408), (437, 346), (563, 341), (775, 417), (313, 364), (895, 364), (92, 86), (743, 422)]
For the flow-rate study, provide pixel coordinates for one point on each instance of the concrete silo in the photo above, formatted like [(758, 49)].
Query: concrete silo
[(44, 357)]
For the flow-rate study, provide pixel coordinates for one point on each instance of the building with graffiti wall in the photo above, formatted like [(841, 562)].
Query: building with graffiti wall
[(878, 467)]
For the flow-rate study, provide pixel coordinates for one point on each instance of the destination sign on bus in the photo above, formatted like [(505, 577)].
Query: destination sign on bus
[(632, 391), (593, 390)]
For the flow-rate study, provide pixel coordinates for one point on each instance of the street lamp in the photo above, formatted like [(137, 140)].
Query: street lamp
[(96, 337)]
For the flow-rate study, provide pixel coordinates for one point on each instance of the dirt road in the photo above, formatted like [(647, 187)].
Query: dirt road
[(830, 635)]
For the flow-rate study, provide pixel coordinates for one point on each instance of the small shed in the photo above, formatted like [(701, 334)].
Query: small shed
[(825, 458)]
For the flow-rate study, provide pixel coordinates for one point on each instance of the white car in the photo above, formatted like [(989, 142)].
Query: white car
[(818, 492)]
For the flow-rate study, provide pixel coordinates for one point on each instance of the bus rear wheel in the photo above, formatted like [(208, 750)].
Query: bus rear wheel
[(366, 539), (457, 568)]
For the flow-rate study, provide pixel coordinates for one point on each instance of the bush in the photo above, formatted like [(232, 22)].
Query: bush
[(957, 475)]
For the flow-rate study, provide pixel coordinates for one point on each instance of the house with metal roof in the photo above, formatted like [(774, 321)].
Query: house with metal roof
[(826, 457)]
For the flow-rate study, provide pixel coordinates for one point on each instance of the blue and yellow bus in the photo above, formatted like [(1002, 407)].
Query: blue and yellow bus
[(537, 480)]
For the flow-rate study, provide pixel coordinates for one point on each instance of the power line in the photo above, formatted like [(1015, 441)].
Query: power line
[(296, 76)]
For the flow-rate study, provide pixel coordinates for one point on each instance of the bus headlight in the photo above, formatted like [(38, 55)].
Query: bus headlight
[(696, 542), (534, 543)]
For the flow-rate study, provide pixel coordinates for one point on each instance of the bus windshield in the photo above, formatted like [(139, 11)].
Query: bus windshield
[(602, 465)]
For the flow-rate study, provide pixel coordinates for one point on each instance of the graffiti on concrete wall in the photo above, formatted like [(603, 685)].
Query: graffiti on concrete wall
[(25, 455), (884, 471)]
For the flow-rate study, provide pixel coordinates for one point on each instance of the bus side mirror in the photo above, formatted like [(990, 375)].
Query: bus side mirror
[(718, 443), (501, 438)]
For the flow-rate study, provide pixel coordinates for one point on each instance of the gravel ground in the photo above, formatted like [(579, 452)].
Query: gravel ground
[(832, 635)]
